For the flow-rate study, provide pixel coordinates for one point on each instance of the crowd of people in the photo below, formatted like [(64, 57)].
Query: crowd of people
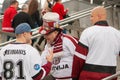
[(92, 57)]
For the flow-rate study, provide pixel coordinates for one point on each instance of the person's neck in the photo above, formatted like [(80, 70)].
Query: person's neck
[(24, 11), (102, 23), (20, 40), (59, 2), (13, 6)]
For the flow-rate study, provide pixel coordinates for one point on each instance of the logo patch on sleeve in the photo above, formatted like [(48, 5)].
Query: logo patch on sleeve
[(37, 67)]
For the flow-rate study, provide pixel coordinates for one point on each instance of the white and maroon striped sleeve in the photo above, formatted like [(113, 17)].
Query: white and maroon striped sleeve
[(78, 59), (82, 48), (45, 69)]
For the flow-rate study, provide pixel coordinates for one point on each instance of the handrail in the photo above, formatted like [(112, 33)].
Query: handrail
[(35, 31), (34, 36), (1, 17), (7, 33), (78, 16), (71, 16), (74, 18), (81, 11), (112, 76)]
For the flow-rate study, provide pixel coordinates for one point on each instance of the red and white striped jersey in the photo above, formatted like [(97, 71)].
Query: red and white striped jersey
[(64, 52)]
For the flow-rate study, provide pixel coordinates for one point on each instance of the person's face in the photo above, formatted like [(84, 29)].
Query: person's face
[(26, 10), (94, 17), (16, 5), (50, 37), (27, 36)]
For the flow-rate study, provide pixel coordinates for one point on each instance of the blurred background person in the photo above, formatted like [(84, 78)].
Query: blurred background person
[(58, 7), (9, 14), (6, 4), (35, 14), (47, 7), (22, 17)]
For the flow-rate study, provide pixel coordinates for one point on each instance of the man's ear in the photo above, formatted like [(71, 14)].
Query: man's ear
[(24, 34)]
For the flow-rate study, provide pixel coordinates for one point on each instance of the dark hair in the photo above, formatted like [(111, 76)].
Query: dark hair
[(33, 6), (13, 2)]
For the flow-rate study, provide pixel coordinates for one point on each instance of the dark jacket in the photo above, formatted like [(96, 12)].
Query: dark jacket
[(36, 19), (22, 17)]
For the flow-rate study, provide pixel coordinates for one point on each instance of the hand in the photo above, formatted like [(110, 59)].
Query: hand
[(50, 56), (43, 11), (67, 9)]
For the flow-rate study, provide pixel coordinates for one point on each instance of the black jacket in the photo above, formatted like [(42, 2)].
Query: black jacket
[(22, 17), (36, 18)]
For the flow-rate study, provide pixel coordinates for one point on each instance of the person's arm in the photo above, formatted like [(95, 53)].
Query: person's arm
[(38, 72), (43, 72), (63, 11), (13, 23), (13, 13), (78, 62)]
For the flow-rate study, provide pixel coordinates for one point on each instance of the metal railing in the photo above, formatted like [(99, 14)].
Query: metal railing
[(35, 31), (72, 17), (33, 37), (77, 16)]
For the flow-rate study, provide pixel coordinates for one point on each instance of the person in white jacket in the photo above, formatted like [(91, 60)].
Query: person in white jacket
[(63, 47)]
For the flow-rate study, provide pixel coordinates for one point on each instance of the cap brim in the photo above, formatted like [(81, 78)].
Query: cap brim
[(43, 31)]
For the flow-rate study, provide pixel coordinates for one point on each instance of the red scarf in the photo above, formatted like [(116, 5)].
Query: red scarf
[(57, 43)]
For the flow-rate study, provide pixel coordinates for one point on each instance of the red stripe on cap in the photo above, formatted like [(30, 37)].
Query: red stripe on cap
[(48, 24)]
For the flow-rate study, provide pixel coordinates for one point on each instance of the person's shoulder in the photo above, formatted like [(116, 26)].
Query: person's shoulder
[(89, 28), (28, 46), (70, 38), (5, 47), (113, 29), (24, 14), (31, 48)]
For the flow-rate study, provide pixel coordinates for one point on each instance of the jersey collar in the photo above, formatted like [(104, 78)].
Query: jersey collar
[(101, 23)]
